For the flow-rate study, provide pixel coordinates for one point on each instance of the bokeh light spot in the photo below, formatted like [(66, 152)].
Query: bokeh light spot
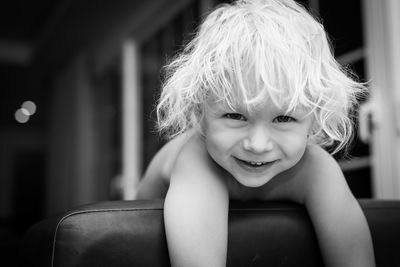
[(20, 116), (30, 106), (25, 111)]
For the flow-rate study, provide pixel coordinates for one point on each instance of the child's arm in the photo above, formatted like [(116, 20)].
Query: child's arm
[(196, 210), (339, 222), (153, 185), (155, 181)]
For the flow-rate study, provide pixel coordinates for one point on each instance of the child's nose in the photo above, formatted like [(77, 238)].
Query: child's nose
[(258, 141)]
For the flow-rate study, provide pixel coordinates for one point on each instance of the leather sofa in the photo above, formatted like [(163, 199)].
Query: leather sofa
[(131, 233)]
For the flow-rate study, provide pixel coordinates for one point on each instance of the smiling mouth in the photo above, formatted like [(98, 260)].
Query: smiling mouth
[(254, 165)]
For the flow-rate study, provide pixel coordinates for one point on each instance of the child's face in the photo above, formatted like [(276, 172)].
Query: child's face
[(255, 147)]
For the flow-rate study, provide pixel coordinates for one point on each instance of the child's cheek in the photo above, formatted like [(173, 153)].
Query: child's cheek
[(293, 144), (221, 140)]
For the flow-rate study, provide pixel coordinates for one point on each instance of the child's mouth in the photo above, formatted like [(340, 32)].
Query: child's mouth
[(254, 165)]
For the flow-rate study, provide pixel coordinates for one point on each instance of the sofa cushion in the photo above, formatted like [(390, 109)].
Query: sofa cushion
[(131, 233)]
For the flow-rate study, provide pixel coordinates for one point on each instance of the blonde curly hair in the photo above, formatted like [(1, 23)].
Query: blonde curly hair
[(279, 47)]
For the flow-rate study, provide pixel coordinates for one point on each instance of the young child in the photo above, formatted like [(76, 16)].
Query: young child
[(248, 105)]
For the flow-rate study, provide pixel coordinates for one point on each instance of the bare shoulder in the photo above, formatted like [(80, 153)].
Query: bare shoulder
[(168, 154), (316, 173), (322, 176), (316, 160), (194, 155), (195, 170), (156, 179)]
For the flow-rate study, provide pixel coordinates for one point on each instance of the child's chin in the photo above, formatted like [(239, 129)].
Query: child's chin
[(253, 181)]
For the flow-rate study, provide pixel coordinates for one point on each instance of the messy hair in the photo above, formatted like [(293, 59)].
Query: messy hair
[(252, 51)]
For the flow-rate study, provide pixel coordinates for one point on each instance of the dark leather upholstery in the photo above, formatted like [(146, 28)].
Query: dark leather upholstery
[(131, 233)]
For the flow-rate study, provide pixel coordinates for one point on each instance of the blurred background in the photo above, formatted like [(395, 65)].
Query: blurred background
[(79, 80)]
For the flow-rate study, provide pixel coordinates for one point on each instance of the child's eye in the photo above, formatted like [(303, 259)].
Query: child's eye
[(284, 119), (235, 116)]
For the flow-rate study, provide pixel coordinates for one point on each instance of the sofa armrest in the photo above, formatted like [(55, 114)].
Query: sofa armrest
[(131, 233)]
